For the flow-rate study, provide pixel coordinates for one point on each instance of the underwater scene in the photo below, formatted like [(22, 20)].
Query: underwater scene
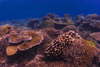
[(49, 33)]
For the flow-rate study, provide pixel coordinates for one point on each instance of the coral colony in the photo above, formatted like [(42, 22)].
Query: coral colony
[(51, 41)]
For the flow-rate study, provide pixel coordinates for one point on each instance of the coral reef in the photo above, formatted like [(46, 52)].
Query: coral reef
[(80, 53), (5, 29), (97, 59), (55, 48), (70, 27), (79, 19), (90, 17), (52, 15), (33, 24), (72, 48), (53, 33), (52, 43), (95, 35), (27, 40), (48, 23), (67, 16), (90, 42), (11, 50)]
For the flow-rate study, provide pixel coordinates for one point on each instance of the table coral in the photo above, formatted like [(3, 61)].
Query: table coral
[(27, 39), (11, 50), (95, 35), (5, 29)]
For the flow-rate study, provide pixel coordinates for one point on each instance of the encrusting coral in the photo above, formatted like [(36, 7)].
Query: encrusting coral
[(23, 41)]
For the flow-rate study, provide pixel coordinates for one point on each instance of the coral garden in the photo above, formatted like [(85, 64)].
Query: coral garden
[(51, 41)]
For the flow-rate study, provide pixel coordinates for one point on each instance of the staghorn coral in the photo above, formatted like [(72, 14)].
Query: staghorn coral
[(55, 48), (28, 40)]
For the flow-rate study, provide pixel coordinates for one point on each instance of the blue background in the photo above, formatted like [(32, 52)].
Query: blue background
[(21, 9)]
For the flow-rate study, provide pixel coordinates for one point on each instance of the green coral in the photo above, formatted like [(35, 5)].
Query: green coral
[(90, 42)]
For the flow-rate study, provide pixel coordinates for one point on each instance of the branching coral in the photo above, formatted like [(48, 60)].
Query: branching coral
[(55, 48), (72, 48)]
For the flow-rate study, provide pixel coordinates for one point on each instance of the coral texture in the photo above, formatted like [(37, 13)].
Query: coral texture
[(72, 48), (5, 29), (95, 35), (28, 39), (55, 48), (80, 53), (48, 23)]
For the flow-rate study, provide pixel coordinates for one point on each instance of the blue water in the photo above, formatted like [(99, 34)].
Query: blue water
[(21, 9)]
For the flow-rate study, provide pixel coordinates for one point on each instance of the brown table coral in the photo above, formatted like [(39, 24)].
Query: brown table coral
[(27, 40), (5, 29)]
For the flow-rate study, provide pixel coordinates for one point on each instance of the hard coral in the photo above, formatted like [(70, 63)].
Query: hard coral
[(55, 48), (48, 23), (5, 29), (28, 40), (53, 33), (36, 38), (96, 36), (25, 36), (24, 46), (11, 50), (80, 53), (34, 23), (70, 27)]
